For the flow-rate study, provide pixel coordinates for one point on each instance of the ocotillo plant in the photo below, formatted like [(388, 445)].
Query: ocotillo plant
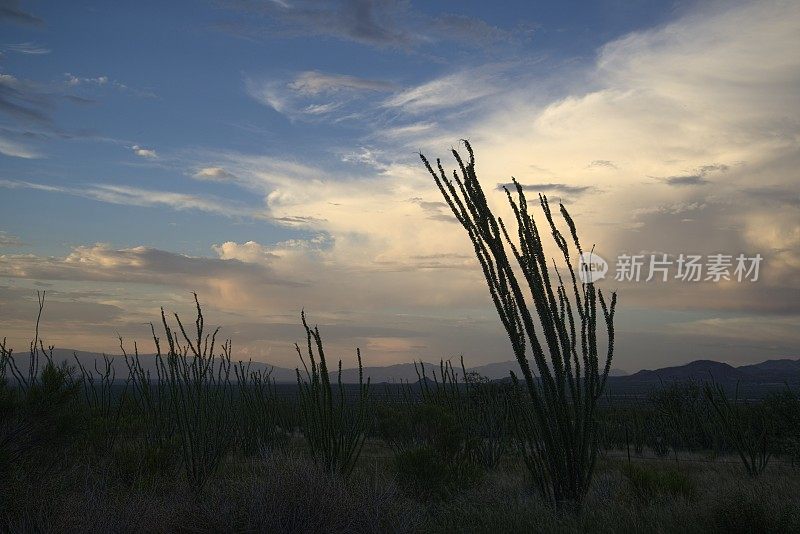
[(750, 438), (151, 399), (263, 421), (334, 426), (200, 393), (104, 405), (559, 435), (29, 378)]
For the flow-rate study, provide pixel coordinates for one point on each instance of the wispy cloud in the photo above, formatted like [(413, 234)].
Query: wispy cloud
[(8, 240), (133, 196), (699, 177), (314, 82), (363, 21), (15, 149), (73, 81), (549, 187), (26, 48), (10, 11), (23, 101), (375, 23), (603, 163), (443, 93), (476, 32), (312, 94)]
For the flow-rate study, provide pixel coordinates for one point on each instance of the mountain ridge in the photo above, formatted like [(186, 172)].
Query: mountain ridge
[(768, 371)]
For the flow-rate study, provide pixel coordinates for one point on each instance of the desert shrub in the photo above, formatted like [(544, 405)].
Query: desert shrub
[(749, 509), (408, 426), (646, 483), (750, 430), (40, 420), (488, 412), (425, 473), (480, 407), (682, 416), (433, 454), (783, 410)]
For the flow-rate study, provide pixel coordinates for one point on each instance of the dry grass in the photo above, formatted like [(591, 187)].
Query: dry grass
[(288, 492)]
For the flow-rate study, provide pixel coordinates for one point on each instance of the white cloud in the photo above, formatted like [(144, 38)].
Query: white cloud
[(74, 81), (312, 83), (214, 174), (142, 152)]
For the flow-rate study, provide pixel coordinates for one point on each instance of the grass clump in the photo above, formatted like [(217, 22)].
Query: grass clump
[(647, 483)]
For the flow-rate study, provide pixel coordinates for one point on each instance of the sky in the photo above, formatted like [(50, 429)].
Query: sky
[(266, 155)]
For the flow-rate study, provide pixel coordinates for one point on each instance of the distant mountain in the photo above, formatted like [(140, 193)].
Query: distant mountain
[(499, 371), (92, 360), (769, 372), (391, 373)]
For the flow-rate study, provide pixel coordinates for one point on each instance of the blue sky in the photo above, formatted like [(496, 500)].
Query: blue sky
[(172, 78), (264, 154)]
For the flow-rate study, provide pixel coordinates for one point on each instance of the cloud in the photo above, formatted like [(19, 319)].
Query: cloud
[(147, 153), (716, 85), (8, 240), (378, 23), (544, 188), (133, 196), (15, 149), (27, 48), (10, 11), (603, 163), (407, 130), (73, 81), (100, 262), (443, 93), (363, 21), (214, 174), (23, 101), (312, 94), (699, 178), (227, 283), (694, 179), (314, 82), (474, 31)]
